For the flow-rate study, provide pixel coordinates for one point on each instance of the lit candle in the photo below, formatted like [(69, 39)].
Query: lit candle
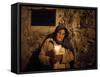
[(57, 49)]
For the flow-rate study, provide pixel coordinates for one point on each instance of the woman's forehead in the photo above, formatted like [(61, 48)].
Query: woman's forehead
[(62, 30)]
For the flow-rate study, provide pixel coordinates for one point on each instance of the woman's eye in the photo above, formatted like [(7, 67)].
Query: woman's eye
[(61, 33)]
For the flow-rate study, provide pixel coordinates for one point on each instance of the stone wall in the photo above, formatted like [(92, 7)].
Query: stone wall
[(82, 27)]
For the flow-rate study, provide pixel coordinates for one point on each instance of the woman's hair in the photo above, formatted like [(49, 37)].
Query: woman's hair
[(54, 34), (65, 43), (61, 27), (58, 28)]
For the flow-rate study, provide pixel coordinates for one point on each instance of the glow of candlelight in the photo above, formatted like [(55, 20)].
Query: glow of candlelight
[(57, 49)]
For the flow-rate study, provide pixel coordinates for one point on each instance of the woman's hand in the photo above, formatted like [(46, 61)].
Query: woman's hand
[(53, 60), (53, 57), (50, 54)]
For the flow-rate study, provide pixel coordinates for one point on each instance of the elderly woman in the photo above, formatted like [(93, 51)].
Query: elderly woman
[(55, 52)]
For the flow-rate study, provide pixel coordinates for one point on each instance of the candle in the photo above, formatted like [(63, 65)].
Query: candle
[(57, 49)]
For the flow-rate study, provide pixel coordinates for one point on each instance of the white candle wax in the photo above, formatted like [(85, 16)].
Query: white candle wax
[(57, 49)]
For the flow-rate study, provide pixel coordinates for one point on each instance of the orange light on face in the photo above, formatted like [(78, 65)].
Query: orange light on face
[(60, 35)]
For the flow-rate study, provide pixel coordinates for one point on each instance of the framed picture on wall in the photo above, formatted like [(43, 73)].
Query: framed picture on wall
[(49, 38)]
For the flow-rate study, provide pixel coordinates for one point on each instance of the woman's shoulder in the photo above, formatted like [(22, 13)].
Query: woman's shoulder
[(49, 44), (49, 40)]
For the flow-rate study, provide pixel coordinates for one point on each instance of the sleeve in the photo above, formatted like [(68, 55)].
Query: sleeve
[(43, 56), (68, 56)]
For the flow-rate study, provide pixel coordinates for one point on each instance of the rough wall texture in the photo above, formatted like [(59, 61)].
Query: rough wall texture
[(25, 37), (81, 26)]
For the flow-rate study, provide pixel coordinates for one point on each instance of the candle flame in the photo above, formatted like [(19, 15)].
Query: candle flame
[(57, 48)]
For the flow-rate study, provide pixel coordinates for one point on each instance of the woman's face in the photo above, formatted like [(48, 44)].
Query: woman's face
[(60, 35)]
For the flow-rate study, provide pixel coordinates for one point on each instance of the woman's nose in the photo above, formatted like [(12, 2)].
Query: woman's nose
[(61, 35)]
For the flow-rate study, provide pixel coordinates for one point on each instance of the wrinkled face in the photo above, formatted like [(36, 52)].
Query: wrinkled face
[(60, 35)]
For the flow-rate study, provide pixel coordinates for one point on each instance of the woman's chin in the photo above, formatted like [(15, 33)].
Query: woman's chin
[(59, 40)]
